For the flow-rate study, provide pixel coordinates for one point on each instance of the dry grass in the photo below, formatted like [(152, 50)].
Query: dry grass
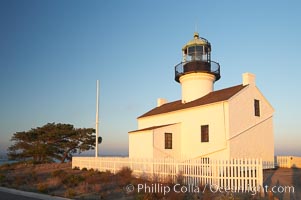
[(61, 180)]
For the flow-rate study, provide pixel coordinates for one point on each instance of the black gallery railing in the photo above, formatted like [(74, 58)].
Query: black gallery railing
[(197, 66)]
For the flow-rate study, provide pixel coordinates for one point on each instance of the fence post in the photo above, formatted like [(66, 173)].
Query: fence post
[(114, 168), (260, 176), (177, 169), (131, 164), (152, 162)]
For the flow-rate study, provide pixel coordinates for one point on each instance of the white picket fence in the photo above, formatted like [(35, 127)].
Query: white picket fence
[(268, 164), (288, 161), (283, 161), (236, 174)]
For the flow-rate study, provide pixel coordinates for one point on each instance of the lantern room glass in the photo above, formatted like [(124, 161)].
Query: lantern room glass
[(197, 53)]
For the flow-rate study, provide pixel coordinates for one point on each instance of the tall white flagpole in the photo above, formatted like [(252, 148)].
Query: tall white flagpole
[(97, 119)]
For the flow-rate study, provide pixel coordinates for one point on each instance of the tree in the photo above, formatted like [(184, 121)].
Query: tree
[(51, 142)]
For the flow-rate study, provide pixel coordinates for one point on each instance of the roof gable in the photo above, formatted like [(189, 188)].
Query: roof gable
[(212, 97)]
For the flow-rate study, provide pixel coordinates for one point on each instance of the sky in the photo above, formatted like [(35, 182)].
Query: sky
[(52, 52)]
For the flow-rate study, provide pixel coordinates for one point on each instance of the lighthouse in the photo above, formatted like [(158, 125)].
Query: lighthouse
[(207, 124), (196, 73)]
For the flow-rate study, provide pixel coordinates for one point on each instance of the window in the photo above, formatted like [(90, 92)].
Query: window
[(195, 52), (199, 49), (205, 133), (256, 107), (168, 140)]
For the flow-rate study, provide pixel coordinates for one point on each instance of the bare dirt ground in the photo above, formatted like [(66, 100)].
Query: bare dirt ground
[(60, 180), (283, 183)]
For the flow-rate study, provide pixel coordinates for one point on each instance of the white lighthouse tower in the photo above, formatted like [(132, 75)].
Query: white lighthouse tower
[(196, 73)]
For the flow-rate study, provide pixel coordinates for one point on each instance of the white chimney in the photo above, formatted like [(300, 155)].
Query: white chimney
[(248, 79), (161, 101)]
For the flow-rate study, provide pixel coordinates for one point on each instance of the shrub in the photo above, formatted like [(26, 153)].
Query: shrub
[(124, 176), (42, 187), (2, 178), (144, 176), (32, 177), (19, 180), (84, 169), (91, 172), (125, 172), (156, 178), (93, 179), (58, 173), (70, 193), (105, 176), (76, 168), (72, 180)]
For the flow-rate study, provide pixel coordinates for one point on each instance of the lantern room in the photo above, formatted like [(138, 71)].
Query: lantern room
[(197, 58), (197, 49)]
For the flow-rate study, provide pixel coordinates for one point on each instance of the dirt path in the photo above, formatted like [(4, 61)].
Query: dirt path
[(285, 183)]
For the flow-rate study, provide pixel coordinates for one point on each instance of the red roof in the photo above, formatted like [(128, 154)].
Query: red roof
[(212, 97)]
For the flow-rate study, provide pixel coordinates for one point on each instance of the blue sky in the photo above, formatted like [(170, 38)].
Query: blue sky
[(52, 53)]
